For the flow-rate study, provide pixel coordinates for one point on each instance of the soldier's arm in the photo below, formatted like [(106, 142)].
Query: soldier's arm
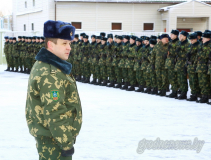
[(52, 93)]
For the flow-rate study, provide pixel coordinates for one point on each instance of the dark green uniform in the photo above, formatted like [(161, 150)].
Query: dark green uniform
[(22, 55), (102, 63), (6, 47), (92, 66), (95, 62), (85, 50), (11, 63), (16, 55)]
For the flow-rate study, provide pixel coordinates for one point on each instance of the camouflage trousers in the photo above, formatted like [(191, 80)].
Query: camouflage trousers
[(86, 69), (111, 73), (28, 63), (131, 76), (194, 84), (161, 76), (48, 149), (118, 74), (204, 83), (33, 60), (22, 62), (92, 71), (182, 81), (16, 62), (81, 67), (147, 78), (153, 80), (140, 77), (7, 59), (172, 77), (77, 67), (11, 64), (97, 71), (103, 72), (125, 74)]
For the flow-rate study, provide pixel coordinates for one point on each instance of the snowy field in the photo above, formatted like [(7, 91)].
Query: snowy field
[(114, 121)]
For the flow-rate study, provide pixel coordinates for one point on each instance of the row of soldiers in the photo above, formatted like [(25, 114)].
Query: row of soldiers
[(149, 62), (20, 53)]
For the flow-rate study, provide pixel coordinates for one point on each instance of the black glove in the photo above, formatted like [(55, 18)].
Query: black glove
[(153, 67), (185, 69), (68, 153)]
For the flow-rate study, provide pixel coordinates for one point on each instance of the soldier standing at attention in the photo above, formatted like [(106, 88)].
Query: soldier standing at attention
[(76, 61), (199, 35), (181, 51), (53, 107), (190, 58), (11, 64), (29, 51), (6, 46), (92, 66), (15, 54)]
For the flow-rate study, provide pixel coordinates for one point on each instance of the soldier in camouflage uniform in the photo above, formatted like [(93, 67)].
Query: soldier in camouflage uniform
[(181, 51), (28, 57), (16, 53), (129, 63), (92, 66), (23, 53), (53, 107), (121, 64), (116, 58), (6, 46), (34, 50), (79, 58), (199, 35), (145, 63), (151, 69), (170, 63), (85, 49), (109, 59), (11, 64), (190, 58), (201, 61), (159, 55)]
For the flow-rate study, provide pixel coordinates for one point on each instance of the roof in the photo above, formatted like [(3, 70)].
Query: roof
[(130, 1), (173, 6)]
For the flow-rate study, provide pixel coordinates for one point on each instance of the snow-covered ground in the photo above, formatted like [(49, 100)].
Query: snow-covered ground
[(114, 121)]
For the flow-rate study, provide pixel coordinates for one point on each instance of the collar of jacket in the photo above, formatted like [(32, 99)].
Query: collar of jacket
[(131, 45), (183, 42), (125, 43), (173, 41), (206, 43), (195, 44), (93, 43), (47, 57), (118, 44), (146, 46), (86, 42), (138, 47)]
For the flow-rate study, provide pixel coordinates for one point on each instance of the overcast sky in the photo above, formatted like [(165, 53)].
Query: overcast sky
[(6, 6)]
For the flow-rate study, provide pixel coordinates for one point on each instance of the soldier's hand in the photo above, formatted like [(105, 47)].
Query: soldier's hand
[(68, 153)]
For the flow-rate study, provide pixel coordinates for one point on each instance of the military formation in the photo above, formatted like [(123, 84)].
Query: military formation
[(20, 53), (126, 61)]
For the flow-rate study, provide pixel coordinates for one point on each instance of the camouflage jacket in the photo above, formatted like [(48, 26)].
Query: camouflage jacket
[(103, 54), (117, 54), (158, 55), (10, 46), (181, 51), (6, 47), (53, 107), (15, 51), (129, 61), (91, 52), (124, 54), (144, 59), (150, 67), (75, 50), (29, 50), (171, 57), (136, 60), (80, 53), (191, 56), (22, 49), (85, 49), (202, 58), (110, 53), (96, 53)]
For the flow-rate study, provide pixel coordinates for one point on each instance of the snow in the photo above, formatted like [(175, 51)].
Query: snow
[(114, 121)]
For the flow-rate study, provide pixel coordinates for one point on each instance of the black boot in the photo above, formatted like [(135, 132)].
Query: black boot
[(173, 94), (125, 87), (104, 83), (8, 69), (204, 99), (87, 80), (24, 71), (21, 70), (78, 78), (12, 70), (193, 97), (159, 92), (119, 85), (132, 88), (83, 79), (154, 91), (163, 93), (111, 84), (28, 71), (148, 90), (93, 81), (179, 91), (140, 89), (16, 70), (99, 82), (183, 95)]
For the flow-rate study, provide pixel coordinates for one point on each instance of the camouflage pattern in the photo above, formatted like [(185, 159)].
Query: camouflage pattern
[(29, 51), (137, 65), (181, 51), (85, 50), (102, 61), (53, 109), (170, 64), (16, 55), (109, 59), (92, 66), (11, 63), (23, 54), (76, 62), (95, 60), (6, 47)]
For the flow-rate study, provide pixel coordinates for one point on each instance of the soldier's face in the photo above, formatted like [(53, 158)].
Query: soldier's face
[(93, 39), (37, 40), (118, 40), (29, 40), (23, 39), (81, 37), (152, 45), (146, 42), (61, 49), (138, 43), (103, 42), (110, 40), (204, 40), (182, 37), (7, 40), (165, 40), (26, 40), (19, 39), (192, 41), (33, 40), (41, 40), (199, 37), (85, 40), (125, 40), (132, 41), (13, 41), (173, 36)]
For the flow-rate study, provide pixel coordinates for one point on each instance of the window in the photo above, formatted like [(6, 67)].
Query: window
[(33, 2), (32, 26), (77, 25), (24, 27), (25, 4), (148, 26), (116, 26)]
